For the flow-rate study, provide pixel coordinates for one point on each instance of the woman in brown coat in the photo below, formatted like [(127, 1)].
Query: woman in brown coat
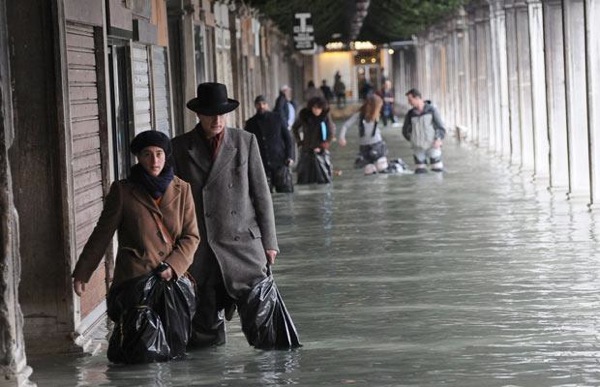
[(154, 215)]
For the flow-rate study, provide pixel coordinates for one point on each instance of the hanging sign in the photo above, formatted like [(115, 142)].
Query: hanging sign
[(303, 31)]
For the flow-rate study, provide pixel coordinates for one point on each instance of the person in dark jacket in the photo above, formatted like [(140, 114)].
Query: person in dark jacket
[(327, 92), (285, 106), (287, 110), (274, 141), (424, 128), (313, 132)]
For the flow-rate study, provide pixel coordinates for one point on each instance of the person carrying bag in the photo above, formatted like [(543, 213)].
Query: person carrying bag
[(152, 257)]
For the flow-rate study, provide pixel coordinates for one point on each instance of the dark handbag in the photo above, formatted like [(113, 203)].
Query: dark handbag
[(283, 180)]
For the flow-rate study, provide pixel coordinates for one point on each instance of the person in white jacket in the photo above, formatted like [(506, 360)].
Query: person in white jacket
[(372, 149)]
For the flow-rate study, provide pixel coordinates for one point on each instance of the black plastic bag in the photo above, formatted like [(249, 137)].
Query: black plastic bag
[(152, 319), (266, 323), (283, 180), (175, 303), (314, 167)]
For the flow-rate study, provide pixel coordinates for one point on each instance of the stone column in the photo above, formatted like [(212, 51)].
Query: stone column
[(484, 77), (473, 91), (425, 64), (14, 368), (461, 35), (513, 83), (524, 85), (576, 84), (501, 77), (442, 66), (592, 31), (538, 90), (556, 94), (496, 132)]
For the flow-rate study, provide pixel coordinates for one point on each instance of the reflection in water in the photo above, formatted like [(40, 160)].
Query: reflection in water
[(477, 277)]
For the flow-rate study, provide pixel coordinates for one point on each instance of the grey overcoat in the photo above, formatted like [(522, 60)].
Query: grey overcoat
[(233, 205)]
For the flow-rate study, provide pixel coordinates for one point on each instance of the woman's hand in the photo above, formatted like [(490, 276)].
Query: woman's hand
[(342, 142), (167, 274), (79, 287)]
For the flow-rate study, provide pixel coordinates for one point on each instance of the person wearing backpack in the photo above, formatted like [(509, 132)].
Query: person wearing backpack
[(372, 149)]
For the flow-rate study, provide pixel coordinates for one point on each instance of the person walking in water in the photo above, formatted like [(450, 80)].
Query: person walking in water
[(372, 149), (234, 210), (275, 143), (424, 129)]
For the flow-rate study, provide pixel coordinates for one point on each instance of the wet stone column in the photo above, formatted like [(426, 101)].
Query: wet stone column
[(13, 363), (473, 90), (513, 83), (461, 34), (592, 18), (435, 69), (484, 77), (556, 94), (496, 129), (453, 76), (421, 64), (538, 89), (501, 77), (524, 85), (447, 63), (576, 83)]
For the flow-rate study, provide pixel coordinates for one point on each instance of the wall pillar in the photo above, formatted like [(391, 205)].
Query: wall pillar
[(513, 84), (501, 78), (576, 84), (592, 32), (538, 90), (14, 368), (450, 78), (461, 34), (524, 101), (473, 91), (556, 94), (484, 77)]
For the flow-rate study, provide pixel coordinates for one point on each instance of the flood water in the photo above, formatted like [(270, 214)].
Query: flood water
[(474, 277)]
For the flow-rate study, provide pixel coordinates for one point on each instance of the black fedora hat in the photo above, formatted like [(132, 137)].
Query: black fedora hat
[(211, 100)]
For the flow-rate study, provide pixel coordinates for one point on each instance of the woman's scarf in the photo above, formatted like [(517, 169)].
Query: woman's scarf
[(155, 186)]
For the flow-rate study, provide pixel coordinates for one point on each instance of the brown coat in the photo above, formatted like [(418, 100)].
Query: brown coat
[(130, 210), (233, 204)]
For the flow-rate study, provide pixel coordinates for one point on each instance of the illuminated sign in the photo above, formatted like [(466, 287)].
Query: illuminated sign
[(303, 31)]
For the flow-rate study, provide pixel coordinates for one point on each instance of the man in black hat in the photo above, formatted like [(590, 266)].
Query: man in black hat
[(274, 141), (233, 207)]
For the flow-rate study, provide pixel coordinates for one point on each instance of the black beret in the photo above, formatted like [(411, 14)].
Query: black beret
[(260, 98), (150, 138)]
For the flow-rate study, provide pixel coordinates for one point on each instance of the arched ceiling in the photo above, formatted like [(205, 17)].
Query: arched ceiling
[(385, 21)]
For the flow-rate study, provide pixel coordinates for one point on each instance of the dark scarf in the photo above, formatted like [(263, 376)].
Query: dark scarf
[(155, 186)]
